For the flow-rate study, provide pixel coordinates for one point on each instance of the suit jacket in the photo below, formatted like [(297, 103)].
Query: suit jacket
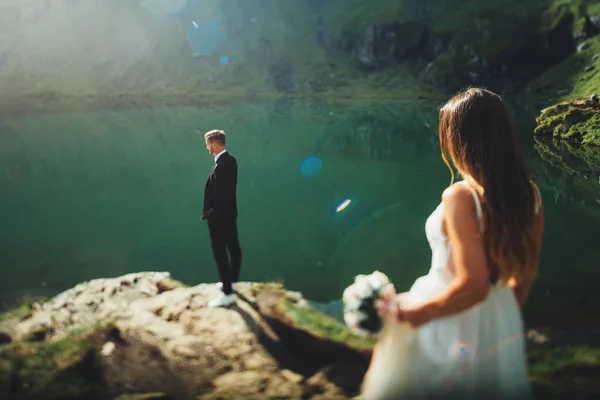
[(220, 197)]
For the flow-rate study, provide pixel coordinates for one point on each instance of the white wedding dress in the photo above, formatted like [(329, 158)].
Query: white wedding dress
[(477, 354)]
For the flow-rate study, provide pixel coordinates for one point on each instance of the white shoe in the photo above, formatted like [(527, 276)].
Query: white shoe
[(220, 286), (223, 300)]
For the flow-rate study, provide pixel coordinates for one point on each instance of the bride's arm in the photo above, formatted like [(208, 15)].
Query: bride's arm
[(471, 283)]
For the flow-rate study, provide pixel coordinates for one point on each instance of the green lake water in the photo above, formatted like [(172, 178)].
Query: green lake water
[(102, 194)]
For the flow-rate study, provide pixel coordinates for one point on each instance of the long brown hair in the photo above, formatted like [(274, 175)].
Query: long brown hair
[(476, 132)]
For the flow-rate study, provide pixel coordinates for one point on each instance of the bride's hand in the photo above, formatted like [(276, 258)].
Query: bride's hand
[(416, 315), (386, 301)]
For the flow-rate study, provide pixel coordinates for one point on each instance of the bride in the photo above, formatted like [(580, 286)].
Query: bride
[(458, 331)]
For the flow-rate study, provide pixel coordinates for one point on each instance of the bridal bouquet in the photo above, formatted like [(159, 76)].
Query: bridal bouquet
[(359, 302)]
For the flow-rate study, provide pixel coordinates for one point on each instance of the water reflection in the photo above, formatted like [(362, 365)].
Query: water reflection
[(102, 194)]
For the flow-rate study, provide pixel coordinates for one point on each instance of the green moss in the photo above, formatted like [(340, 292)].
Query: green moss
[(569, 79), (24, 310), (567, 372), (325, 327), (543, 361), (576, 121), (60, 369), (591, 130), (585, 160), (550, 153), (567, 136)]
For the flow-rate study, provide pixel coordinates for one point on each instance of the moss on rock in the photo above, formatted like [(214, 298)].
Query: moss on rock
[(323, 326), (578, 75), (59, 369), (24, 310), (577, 121), (309, 331)]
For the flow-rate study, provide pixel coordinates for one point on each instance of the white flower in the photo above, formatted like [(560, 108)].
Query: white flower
[(352, 304), (361, 295), (363, 289), (353, 319), (351, 299), (377, 280), (350, 293)]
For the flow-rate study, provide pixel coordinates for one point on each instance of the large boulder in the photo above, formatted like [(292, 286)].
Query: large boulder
[(145, 333), (576, 121)]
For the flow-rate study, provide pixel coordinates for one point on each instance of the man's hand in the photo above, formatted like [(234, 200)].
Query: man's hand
[(207, 214)]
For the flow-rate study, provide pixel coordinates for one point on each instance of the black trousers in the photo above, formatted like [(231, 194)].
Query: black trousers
[(224, 240)]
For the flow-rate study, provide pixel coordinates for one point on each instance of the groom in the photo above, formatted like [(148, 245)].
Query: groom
[(220, 210)]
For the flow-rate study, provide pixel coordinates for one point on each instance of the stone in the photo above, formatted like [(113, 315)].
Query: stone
[(292, 376), (282, 388), (151, 341), (36, 327), (583, 46), (107, 349), (240, 383)]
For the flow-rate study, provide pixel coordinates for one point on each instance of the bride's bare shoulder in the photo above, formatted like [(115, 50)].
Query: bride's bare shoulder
[(456, 193)]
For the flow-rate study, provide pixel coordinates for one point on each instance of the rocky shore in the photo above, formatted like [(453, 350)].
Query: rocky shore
[(147, 336)]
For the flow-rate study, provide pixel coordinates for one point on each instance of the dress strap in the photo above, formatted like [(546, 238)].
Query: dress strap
[(478, 208)]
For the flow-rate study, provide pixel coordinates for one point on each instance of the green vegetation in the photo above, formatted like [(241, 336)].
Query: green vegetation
[(579, 75), (60, 369), (325, 327), (566, 372), (586, 158), (570, 128), (24, 310), (576, 121), (275, 302)]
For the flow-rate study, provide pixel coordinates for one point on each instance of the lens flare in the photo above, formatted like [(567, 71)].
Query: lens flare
[(343, 205), (205, 37), (463, 349), (311, 166)]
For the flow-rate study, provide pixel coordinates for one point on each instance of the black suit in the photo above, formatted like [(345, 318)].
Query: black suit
[(220, 209)]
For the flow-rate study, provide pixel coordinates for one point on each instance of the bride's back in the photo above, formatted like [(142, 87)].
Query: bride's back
[(477, 135)]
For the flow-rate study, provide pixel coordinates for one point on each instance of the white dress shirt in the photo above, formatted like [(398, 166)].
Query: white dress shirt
[(218, 155)]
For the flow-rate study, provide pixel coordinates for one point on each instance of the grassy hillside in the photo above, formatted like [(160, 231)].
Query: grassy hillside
[(577, 76)]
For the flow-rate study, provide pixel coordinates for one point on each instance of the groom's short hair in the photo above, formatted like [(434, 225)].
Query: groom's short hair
[(216, 135)]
